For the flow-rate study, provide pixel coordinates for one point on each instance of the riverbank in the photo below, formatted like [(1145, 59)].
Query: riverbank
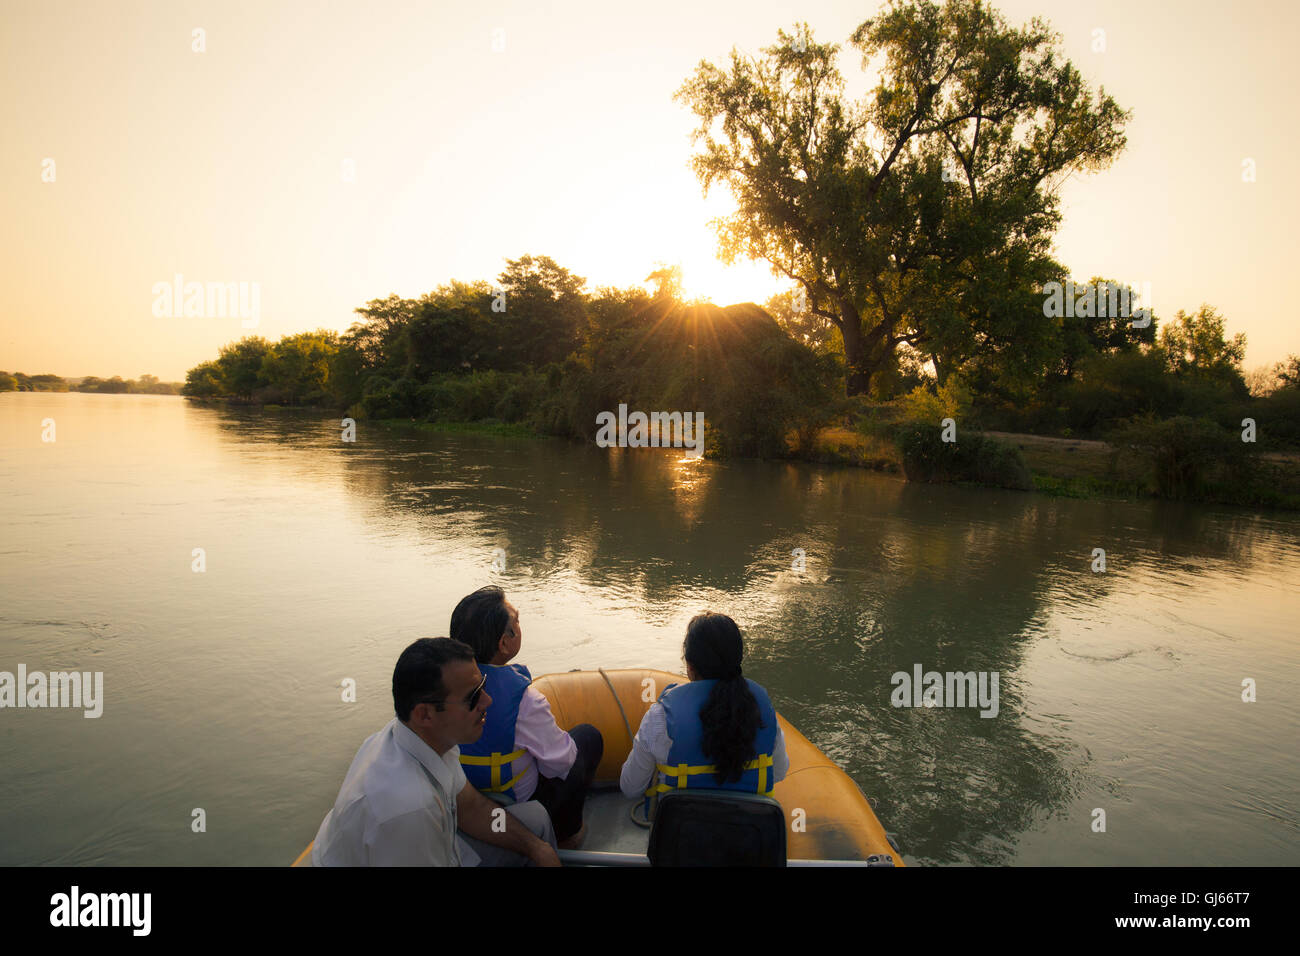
[(1077, 468), (1057, 467)]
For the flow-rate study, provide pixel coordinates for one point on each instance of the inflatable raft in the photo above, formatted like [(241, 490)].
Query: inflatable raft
[(836, 825)]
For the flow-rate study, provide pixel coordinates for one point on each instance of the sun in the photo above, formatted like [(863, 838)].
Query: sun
[(705, 279), (672, 226)]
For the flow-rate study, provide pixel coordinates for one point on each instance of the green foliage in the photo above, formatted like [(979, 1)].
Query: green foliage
[(203, 381), (113, 386), (296, 369), (927, 458), (1196, 348), (1108, 388), (930, 406), (1184, 453), (755, 385), (40, 383), (791, 312), (384, 398), (1277, 419), (924, 216), (544, 312), (1105, 330), (241, 366), (1288, 372), (8, 383)]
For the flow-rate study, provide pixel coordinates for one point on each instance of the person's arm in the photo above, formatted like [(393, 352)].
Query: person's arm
[(537, 732), (417, 838), (476, 819), (780, 759), (647, 749)]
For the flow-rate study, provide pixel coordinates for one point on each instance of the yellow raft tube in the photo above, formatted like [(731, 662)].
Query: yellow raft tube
[(836, 824)]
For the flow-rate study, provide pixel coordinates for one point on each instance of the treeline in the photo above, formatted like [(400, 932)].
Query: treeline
[(144, 385), (1084, 374), (534, 349)]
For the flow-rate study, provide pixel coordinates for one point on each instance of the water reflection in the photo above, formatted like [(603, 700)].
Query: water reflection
[(896, 575)]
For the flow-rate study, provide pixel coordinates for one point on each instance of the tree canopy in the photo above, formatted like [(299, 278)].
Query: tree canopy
[(923, 216)]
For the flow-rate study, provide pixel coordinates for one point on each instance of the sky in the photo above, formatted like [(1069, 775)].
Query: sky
[(328, 153)]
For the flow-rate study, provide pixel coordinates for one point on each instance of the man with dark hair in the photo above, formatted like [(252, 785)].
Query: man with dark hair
[(405, 794), (523, 753)]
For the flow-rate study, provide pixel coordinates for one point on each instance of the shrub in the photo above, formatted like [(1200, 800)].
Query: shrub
[(927, 458), (953, 400), (1184, 454), (1277, 419)]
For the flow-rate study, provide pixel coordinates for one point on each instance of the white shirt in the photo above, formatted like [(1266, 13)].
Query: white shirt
[(397, 805), (652, 744), (547, 747)]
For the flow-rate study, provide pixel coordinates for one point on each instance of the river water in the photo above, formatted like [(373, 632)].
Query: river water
[(1119, 691)]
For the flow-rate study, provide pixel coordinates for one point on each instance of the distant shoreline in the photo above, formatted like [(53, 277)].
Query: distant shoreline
[(87, 384)]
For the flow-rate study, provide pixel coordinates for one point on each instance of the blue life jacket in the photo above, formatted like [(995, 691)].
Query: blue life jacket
[(687, 766), (488, 762)]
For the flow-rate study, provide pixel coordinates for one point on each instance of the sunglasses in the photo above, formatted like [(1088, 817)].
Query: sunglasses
[(471, 701)]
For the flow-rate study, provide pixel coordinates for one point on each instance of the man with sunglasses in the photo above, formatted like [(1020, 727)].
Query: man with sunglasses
[(405, 794)]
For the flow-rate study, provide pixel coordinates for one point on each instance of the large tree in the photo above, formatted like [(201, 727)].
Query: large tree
[(1196, 346), (545, 310), (923, 215)]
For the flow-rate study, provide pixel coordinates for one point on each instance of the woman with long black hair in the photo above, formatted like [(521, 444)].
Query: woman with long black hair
[(719, 731)]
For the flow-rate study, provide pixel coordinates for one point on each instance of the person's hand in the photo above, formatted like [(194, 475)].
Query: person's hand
[(543, 854)]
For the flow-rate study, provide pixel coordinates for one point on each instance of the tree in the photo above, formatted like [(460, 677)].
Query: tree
[(813, 330), (377, 339), (924, 215), (451, 331), (1263, 380), (241, 365), (1106, 329), (544, 311), (668, 283), (1288, 372), (1196, 347), (203, 381), (298, 366)]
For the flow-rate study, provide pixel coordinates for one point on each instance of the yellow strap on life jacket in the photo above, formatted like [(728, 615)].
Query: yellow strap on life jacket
[(495, 761), (681, 771)]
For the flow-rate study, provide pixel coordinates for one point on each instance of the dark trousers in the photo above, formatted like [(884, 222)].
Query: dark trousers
[(563, 799)]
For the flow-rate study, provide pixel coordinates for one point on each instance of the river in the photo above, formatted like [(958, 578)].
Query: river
[(1119, 691)]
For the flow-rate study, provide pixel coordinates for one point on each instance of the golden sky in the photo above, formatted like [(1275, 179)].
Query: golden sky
[(477, 132)]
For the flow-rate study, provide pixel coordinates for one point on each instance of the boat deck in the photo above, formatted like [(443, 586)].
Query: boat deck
[(609, 826)]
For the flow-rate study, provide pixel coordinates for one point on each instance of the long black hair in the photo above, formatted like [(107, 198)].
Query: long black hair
[(729, 717)]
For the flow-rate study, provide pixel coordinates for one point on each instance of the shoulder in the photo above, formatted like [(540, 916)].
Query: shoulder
[(394, 784), (670, 689), (513, 679), (654, 722), (535, 706)]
